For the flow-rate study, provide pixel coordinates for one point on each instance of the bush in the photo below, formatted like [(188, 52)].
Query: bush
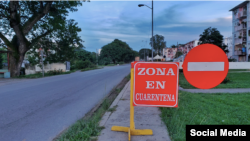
[(72, 67), (92, 65), (79, 64), (55, 72), (232, 60), (86, 64), (120, 63)]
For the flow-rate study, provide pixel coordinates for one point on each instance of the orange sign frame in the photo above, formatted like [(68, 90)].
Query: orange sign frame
[(156, 84)]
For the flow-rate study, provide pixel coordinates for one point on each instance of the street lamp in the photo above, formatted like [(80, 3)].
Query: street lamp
[(140, 5)]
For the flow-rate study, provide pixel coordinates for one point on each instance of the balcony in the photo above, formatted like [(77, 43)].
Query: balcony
[(241, 27), (237, 41), (241, 15), (239, 52)]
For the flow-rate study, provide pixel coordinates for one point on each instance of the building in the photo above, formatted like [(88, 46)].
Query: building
[(99, 51), (241, 31), (169, 53), (229, 42), (184, 48)]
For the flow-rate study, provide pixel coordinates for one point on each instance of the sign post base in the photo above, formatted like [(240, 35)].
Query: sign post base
[(134, 132)]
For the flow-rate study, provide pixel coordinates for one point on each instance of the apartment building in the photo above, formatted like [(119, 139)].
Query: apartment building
[(241, 31), (229, 42), (184, 48)]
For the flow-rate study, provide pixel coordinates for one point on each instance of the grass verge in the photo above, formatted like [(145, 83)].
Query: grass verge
[(88, 127), (86, 69), (205, 109), (237, 80), (39, 75)]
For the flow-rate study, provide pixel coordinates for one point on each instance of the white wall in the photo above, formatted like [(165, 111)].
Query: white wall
[(47, 67)]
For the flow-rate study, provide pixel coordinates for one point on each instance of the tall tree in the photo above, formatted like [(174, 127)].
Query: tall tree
[(26, 22), (61, 47), (213, 36), (178, 54), (158, 43), (117, 51)]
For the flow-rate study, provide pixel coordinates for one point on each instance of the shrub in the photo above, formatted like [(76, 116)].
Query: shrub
[(92, 65), (120, 63), (55, 72), (232, 60), (86, 64), (72, 67), (79, 64)]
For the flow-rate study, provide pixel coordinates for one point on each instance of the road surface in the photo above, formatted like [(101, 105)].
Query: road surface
[(39, 109)]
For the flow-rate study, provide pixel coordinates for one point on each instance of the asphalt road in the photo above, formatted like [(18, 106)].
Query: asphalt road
[(39, 109)]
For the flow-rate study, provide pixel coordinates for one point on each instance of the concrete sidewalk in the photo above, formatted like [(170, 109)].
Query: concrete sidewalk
[(145, 118)]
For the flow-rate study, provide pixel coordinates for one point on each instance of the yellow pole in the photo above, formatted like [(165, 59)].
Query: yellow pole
[(132, 124), (131, 130)]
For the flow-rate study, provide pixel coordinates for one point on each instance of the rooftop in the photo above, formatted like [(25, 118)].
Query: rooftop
[(240, 5)]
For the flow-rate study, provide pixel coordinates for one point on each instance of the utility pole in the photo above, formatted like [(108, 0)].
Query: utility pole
[(152, 29), (144, 54)]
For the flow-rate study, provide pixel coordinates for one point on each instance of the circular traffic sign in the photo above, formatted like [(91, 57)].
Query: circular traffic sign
[(205, 66)]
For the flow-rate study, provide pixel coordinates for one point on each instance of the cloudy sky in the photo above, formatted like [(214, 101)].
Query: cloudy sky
[(178, 21)]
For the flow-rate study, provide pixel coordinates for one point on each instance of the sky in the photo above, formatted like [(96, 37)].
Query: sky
[(178, 21)]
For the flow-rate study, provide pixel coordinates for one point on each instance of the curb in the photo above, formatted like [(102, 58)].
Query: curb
[(115, 102)]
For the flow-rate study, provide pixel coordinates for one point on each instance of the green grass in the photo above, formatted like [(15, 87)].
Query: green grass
[(205, 109), (129, 76), (87, 69), (84, 129), (88, 127), (237, 80), (232, 70), (112, 109), (39, 75)]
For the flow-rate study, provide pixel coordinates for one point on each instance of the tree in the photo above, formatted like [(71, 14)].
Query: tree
[(178, 54), (173, 46), (26, 22), (212, 36), (148, 52), (158, 43), (117, 51), (1, 61), (61, 47)]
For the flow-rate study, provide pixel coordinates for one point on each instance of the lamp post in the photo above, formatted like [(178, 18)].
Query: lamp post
[(140, 5)]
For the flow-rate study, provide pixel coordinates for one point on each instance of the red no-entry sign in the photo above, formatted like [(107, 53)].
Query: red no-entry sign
[(156, 84), (205, 66)]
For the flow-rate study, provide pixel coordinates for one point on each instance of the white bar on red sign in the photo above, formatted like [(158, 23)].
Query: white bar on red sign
[(205, 66)]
